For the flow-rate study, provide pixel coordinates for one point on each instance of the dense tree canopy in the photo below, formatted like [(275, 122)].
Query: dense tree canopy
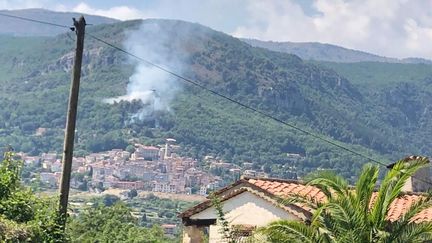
[(111, 224)]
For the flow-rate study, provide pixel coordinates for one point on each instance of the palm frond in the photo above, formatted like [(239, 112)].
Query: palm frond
[(328, 182), (413, 232), (290, 231), (365, 187), (391, 188), (404, 171), (398, 226), (299, 199)]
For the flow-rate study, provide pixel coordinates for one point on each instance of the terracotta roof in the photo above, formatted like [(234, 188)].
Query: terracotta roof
[(284, 188), (400, 205), (240, 187), (271, 189)]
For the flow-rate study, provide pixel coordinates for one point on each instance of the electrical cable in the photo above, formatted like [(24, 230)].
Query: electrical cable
[(232, 100), (35, 20), (195, 83)]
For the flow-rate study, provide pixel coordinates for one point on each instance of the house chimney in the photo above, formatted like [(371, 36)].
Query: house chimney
[(421, 180)]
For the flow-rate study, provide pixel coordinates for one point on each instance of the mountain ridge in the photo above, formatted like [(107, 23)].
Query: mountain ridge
[(328, 52), (14, 27), (305, 50)]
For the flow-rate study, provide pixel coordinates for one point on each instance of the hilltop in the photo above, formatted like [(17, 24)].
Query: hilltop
[(329, 53), (14, 27)]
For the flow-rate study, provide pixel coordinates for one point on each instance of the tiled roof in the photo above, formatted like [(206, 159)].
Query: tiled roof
[(401, 205), (284, 188), (272, 189), (240, 187), (208, 203)]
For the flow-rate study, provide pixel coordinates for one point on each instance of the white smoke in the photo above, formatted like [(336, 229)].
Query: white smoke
[(150, 85)]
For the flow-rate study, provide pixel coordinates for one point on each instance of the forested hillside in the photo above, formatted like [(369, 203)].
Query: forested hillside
[(385, 123)]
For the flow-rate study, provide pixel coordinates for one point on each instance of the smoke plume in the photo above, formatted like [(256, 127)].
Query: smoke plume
[(153, 87)]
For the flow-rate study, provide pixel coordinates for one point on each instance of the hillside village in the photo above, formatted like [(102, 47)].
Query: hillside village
[(148, 168)]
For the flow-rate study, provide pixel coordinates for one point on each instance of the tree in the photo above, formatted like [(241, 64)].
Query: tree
[(357, 214), (109, 200), (23, 215), (130, 148), (132, 193), (99, 186), (111, 224)]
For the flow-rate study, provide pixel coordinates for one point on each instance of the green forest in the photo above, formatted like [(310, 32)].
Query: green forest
[(380, 110)]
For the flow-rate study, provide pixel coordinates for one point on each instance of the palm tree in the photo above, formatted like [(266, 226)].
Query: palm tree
[(357, 214)]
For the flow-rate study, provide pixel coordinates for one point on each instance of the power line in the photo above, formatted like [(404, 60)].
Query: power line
[(207, 89), (35, 20), (195, 83), (235, 101), (202, 87)]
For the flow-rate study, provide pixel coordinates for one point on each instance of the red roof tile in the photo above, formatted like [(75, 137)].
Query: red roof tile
[(280, 188), (274, 188)]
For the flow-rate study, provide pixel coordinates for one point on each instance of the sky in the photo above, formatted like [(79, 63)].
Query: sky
[(392, 28)]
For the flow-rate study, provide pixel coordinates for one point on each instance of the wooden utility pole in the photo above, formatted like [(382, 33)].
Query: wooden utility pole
[(71, 120)]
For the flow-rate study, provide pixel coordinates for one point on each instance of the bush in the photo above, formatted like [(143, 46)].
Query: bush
[(111, 224), (23, 215)]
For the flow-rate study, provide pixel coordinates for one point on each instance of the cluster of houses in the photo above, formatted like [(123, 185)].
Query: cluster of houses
[(150, 168)]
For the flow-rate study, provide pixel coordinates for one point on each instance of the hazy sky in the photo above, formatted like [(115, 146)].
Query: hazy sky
[(395, 28)]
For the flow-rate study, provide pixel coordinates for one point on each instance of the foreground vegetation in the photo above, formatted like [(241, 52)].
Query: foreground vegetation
[(114, 223), (23, 215), (26, 217), (148, 210)]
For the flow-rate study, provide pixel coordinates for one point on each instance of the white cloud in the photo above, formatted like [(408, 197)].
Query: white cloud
[(394, 28), (20, 4), (397, 28), (117, 12)]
